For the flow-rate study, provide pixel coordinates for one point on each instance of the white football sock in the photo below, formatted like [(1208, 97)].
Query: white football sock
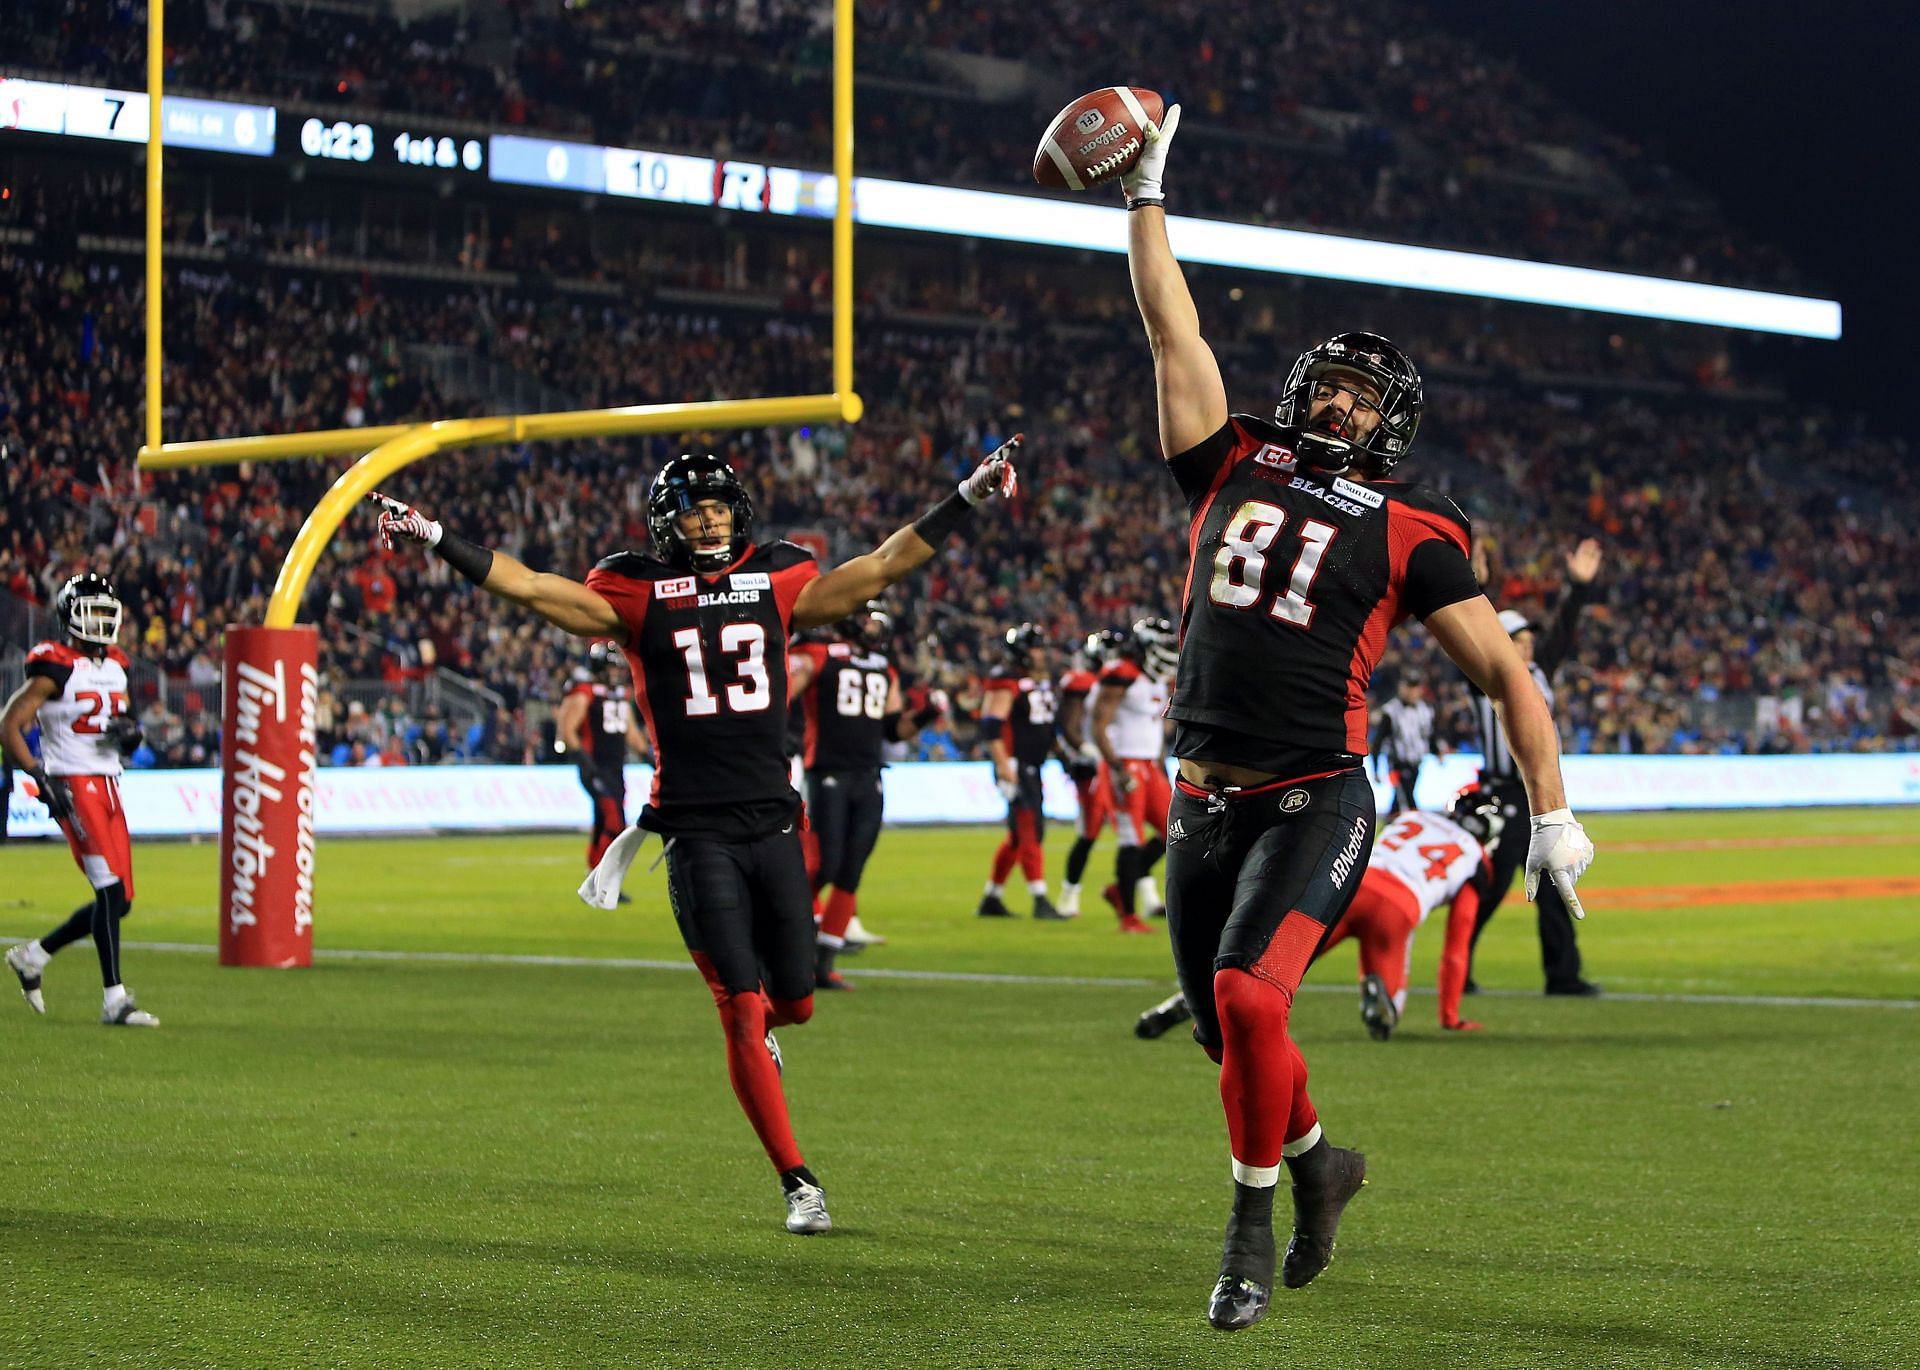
[(995, 889), (115, 996), (1256, 1176), (36, 956), (1037, 888)]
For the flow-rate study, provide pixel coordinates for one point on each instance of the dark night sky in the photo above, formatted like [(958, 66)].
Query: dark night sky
[(1799, 119)]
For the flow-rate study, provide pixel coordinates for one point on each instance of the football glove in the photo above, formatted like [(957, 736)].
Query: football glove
[(1142, 184), (1559, 848), (995, 475), (123, 730), (403, 523), (59, 803)]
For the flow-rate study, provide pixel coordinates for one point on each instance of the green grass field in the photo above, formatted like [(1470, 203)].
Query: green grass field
[(436, 1158)]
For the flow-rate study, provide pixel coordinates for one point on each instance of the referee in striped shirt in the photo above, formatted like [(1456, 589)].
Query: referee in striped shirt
[(1543, 653), (1403, 736)]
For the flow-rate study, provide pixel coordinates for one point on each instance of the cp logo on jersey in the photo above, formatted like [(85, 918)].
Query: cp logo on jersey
[(1280, 458)]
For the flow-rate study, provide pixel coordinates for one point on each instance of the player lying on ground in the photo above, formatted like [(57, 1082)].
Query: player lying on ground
[(78, 691), (1304, 557), (704, 621)]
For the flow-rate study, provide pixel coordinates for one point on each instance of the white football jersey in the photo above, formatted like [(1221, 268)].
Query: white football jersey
[(1137, 732), (1430, 854), (88, 691)]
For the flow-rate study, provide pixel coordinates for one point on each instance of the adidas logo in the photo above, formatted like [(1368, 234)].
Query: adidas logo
[(1176, 831)]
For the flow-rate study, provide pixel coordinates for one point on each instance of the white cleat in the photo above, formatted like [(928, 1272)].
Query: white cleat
[(857, 933), (128, 1015), (773, 1050), (807, 1210), (20, 965)]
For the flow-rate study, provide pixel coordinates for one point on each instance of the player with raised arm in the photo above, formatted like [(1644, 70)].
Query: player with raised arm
[(78, 691), (851, 707), (1086, 767), (1130, 731), (1017, 719), (1420, 861), (704, 621), (1304, 557), (596, 728)]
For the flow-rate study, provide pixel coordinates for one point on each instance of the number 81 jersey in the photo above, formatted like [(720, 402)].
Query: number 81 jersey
[(709, 661), (88, 690), (1296, 577)]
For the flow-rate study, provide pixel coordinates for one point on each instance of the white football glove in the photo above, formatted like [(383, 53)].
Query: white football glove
[(1560, 848), (403, 523), (1009, 789), (1142, 184), (995, 475), (937, 698)]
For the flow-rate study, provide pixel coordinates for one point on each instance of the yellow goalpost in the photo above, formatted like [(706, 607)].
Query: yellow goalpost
[(389, 448)]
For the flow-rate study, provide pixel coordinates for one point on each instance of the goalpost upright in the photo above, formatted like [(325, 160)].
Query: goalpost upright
[(267, 736)]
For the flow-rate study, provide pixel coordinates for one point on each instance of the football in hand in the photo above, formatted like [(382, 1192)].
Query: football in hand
[(1097, 138)]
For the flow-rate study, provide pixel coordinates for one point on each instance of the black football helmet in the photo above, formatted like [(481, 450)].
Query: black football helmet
[(871, 627), (1156, 645), (681, 485), (89, 609), (1022, 642), (602, 658), (1103, 646), (1478, 811), (1402, 398)]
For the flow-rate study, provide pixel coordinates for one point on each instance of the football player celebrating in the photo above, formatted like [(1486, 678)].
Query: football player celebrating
[(1132, 738), (704, 621), (596, 726), (1303, 558), (1420, 861), (78, 691), (849, 694), (1016, 717), (1086, 767)]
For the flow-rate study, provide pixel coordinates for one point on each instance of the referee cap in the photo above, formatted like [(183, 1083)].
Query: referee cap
[(1513, 621)]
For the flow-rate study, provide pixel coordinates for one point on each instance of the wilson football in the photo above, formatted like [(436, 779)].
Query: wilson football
[(1097, 138)]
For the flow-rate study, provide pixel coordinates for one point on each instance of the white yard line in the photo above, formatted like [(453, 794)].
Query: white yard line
[(483, 958)]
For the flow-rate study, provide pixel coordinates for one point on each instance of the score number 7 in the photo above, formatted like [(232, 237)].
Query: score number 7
[(1241, 563)]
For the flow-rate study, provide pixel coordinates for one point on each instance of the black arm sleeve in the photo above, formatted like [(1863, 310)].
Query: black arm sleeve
[(1437, 575), (1557, 643), (1195, 468), (469, 559)]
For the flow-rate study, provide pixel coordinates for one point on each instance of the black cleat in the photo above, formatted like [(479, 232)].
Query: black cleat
[(1377, 1009), (1472, 986), (1583, 989), (992, 907), (1044, 910), (1319, 1198), (1245, 1285), (1166, 1014)]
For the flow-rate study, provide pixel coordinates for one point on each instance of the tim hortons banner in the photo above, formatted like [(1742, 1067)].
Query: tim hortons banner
[(268, 770)]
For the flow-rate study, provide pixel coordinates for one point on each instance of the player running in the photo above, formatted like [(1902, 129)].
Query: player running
[(1086, 767), (1303, 559), (1129, 730), (596, 727), (849, 693), (1420, 861), (704, 621), (1016, 717), (78, 691)]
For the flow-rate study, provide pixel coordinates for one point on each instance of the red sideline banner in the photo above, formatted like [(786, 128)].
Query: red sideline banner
[(267, 763)]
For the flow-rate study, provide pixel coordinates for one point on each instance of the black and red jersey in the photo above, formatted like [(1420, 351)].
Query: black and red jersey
[(1028, 727), (709, 661), (604, 730), (844, 706), (1296, 577), (1077, 684)]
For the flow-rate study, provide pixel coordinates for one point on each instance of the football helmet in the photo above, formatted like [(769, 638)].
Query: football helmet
[(89, 609), (602, 657), (1478, 812), (1402, 398), (680, 486), (1103, 646), (871, 627), (1022, 642), (1156, 646)]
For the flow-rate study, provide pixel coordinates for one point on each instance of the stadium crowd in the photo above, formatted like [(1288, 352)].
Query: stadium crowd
[(1753, 599), (1380, 126)]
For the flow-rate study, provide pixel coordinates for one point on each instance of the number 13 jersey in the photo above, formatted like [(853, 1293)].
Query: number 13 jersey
[(87, 691), (709, 661), (1296, 577)]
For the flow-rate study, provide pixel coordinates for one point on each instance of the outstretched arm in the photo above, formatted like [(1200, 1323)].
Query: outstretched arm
[(831, 597), (566, 604)]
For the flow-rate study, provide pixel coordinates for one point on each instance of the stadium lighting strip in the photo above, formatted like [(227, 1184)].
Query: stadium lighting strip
[(750, 187)]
